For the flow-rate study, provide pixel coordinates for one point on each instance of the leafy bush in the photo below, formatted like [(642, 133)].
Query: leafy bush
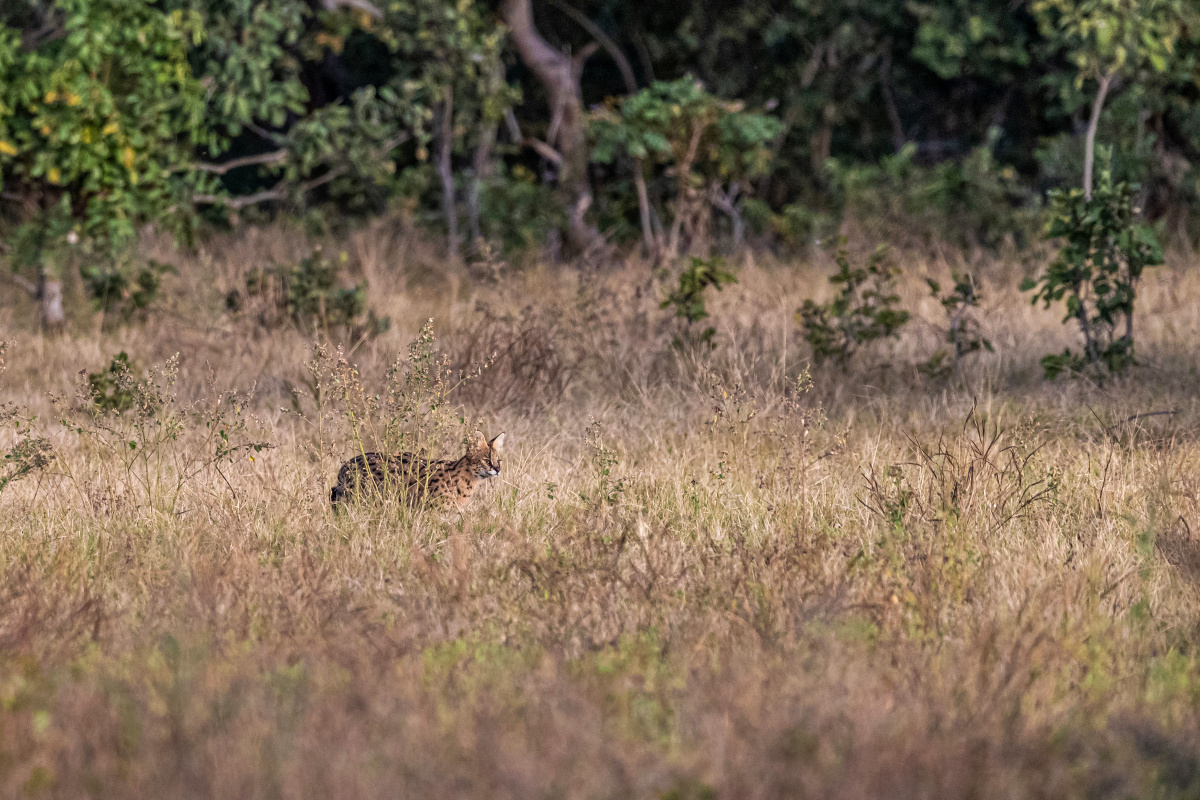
[(309, 295), (688, 298), (963, 332), (1103, 255), (713, 147), (111, 389), (971, 200), (123, 294), (518, 212), (29, 453), (863, 311)]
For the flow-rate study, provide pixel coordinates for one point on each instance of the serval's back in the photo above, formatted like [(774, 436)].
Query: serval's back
[(420, 480)]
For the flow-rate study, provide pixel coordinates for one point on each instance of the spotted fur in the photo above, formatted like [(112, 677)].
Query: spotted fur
[(419, 480)]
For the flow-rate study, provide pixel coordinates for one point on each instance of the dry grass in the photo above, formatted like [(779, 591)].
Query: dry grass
[(698, 576)]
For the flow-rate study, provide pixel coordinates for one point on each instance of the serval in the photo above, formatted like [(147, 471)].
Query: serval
[(419, 480)]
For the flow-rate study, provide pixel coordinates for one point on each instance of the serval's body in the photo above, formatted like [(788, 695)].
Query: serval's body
[(418, 480)]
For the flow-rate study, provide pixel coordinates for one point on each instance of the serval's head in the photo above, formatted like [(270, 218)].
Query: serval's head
[(483, 457)]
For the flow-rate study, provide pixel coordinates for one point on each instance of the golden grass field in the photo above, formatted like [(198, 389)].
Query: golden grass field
[(698, 576)]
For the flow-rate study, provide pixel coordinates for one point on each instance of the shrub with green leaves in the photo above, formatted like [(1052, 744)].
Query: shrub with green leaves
[(29, 452), (310, 295), (99, 117), (688, 299), (111, 389), (124, 292), (714, 146), (1104, 251), (972, 200), (864, 310), (963, 332)]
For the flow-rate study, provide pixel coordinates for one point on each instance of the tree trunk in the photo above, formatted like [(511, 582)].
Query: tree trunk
[(559, 74), (726, 203), (1089, 150), (684, 197), (54, 318), (643, 196), (481, 171), (889, 99), (446, 172)]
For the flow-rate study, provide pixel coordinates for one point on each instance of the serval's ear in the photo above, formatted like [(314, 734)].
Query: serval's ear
[(477, 441), (497, 444)]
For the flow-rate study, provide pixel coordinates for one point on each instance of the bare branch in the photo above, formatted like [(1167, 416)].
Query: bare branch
[(541, 148), (544, 150), (358, 5), (22, 282), (280, 190), (604, 40), (273, 157), (514, 128)]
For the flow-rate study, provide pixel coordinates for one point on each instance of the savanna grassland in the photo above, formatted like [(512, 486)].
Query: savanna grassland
[(702, 572)]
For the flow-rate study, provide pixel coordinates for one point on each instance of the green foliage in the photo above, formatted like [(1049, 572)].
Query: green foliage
[(1105, 37), (659, 123), (258, 59), (973, 201), (518, 212), (112, 389), (711, 145), (29, 452), (864, 310), (688, 299), (124, 292), (97, 119), (963, 332), (1104, 251), (311, 296)]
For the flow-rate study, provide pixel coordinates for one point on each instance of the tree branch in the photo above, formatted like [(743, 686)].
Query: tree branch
[(273, 157), (280, 190), (358, 5), (541, 148), (604, 40), (1089, 150), (889, 99), (22, 282)]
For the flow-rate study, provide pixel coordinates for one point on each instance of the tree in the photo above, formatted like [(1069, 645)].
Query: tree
[(1108, 40), (560, 74), (99, 114), (715, 148), (261, 113)]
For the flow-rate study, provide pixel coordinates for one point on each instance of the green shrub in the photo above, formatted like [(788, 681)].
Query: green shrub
[(111, 389), (29, 453), (688, 299), (124, 293), (309, 295), (963, 333), (1096, 273), (518, 212), (863, 311), (972, 200)]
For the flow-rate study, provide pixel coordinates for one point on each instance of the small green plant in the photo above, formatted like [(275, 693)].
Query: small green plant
[(863, 311), (688, 299), (963, 332), (123, 294), (1096, 272), (143, 440), (29, 453), (609, 491), (111, 389), (311, 296)]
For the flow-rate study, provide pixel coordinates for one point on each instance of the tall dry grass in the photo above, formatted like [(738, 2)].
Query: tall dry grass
[(701, 574)]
